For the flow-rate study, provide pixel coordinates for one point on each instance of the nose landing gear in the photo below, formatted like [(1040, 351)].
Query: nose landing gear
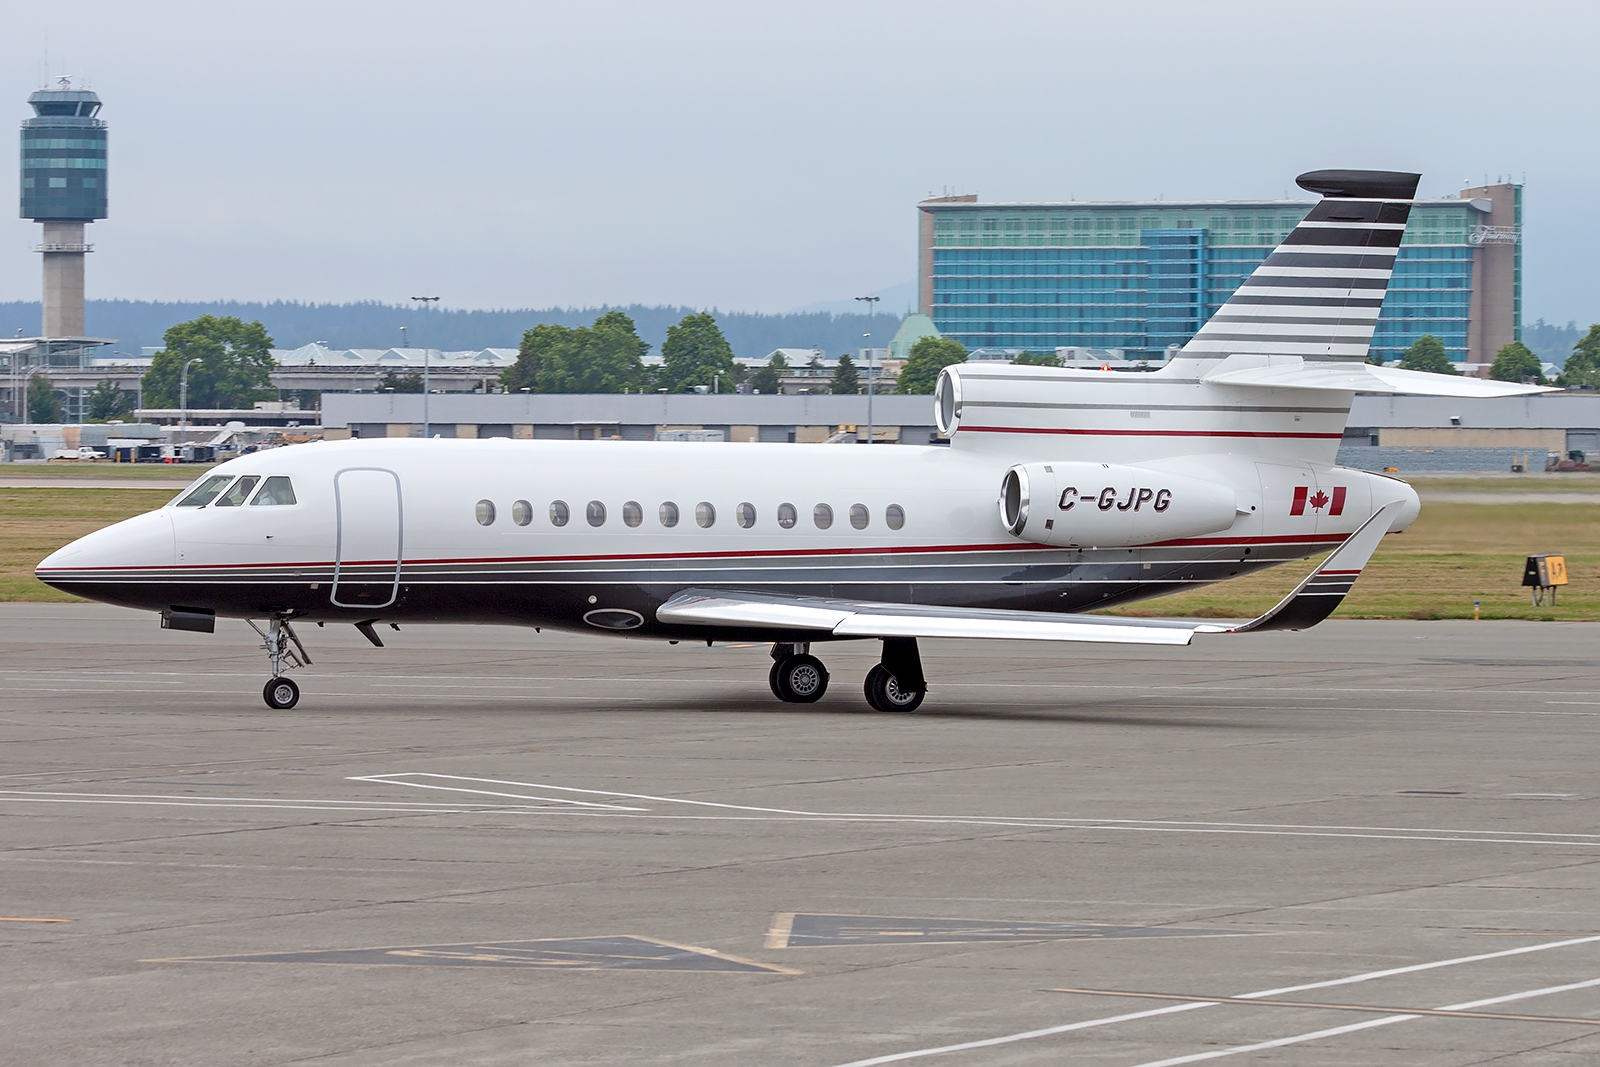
[(281, 693)]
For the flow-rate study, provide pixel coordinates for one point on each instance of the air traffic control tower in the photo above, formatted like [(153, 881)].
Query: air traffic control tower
[(63, 187)]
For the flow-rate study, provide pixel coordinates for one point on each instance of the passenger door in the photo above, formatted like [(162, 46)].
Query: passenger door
[(367, 540)]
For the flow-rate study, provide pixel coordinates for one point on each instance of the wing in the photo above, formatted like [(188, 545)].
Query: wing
[(1312, 601), (1292, 372)]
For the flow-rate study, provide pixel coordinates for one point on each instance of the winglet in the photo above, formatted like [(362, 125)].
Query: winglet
[(1324, 588)]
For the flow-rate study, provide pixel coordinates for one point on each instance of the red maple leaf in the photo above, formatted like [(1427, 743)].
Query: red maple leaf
[(1319, 501)]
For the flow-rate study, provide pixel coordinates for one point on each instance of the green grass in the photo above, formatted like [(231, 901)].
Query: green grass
[(1452, 555), (36, 522), (103, 469)]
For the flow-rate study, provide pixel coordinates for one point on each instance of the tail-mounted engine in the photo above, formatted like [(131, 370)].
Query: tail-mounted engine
[(1087, 505)]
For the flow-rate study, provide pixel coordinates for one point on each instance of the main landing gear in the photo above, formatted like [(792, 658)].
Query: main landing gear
[(895, 684), (796, 677), (281, 693)]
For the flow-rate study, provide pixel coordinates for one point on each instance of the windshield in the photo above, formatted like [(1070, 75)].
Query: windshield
[(276, 491), (238, 492), (205, 492)]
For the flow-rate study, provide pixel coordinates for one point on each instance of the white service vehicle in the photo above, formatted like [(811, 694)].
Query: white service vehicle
[(85, 452), (1062, 490)]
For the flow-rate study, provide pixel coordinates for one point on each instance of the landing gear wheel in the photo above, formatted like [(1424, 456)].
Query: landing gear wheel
[(281, 694), (884, 693), (799, 679)]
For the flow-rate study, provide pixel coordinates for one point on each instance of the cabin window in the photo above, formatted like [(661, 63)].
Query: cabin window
[(894, 516), (595, 513), (787, 516), (669, 514), (205, 492), (859, 516), (559, 513), (278, 491), (632, 513), (485, 513), (238, 492), (822, 515), (705, 515), (745, 515), (522, 513)]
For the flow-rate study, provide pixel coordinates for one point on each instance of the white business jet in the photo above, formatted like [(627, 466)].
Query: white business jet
[(1060, 491)]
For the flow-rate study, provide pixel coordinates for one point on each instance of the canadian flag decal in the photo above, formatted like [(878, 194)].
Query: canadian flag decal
[(1317, 500)]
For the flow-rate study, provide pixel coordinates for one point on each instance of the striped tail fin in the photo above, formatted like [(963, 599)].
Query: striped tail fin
[(1319, 293)]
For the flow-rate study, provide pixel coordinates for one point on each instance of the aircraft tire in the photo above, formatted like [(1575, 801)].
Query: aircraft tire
[(799, 679), (281, 694), (883, 692)]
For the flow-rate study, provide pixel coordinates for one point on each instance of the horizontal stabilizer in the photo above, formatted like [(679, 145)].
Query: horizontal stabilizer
[(1292, 372)]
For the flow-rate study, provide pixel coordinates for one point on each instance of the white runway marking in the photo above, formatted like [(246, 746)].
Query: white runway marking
[(1365, 1025), (1370, 976), (536, 801), (1024, 822)]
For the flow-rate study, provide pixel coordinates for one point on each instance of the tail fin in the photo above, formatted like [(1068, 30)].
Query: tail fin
[(1319, 293)]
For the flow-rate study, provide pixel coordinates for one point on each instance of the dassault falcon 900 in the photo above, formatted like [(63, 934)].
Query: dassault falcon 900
[(1060, 491)]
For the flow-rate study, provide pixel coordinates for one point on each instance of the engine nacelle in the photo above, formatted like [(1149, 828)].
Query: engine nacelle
[(1085, 505)]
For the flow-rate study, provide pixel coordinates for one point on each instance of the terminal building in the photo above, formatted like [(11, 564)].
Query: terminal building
[(1143, 276)]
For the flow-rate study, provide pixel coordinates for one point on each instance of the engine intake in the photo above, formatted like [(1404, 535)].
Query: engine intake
[(1078, 504)]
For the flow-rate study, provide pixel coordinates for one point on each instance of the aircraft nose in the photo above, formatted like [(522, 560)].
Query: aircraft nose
[(142, 542)]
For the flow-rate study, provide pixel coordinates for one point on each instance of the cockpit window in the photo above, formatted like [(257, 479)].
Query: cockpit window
[(205, 492), (238, 492), (276, 491)]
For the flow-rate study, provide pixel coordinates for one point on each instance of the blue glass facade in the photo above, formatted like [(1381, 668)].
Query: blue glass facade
[(1142, 277)]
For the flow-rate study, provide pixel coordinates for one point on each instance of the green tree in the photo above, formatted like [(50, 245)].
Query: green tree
[(607, 357), (43, 403), (108, 401), (1516, 362), (1037, 359), (769, 379), (1427, 353), (234, 369), (846, 382), (928, 357), (400, 381), (695, 353), (538, 345), (1582, 369)]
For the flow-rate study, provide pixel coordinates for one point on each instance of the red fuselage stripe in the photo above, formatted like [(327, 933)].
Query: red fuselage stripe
[(779, 553), (1151, 433)]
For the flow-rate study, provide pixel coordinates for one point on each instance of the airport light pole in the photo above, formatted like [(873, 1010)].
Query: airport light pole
[(427, 302), (872, 306), (183, 404)]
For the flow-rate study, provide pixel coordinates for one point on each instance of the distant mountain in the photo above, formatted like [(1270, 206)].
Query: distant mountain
[(1550, 342), (895, 300), (139, 324)]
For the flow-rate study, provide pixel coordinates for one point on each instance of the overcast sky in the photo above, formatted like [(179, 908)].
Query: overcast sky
[(763, 156)]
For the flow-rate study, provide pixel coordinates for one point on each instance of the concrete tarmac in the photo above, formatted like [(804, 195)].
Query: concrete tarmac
[(1371, 843)]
